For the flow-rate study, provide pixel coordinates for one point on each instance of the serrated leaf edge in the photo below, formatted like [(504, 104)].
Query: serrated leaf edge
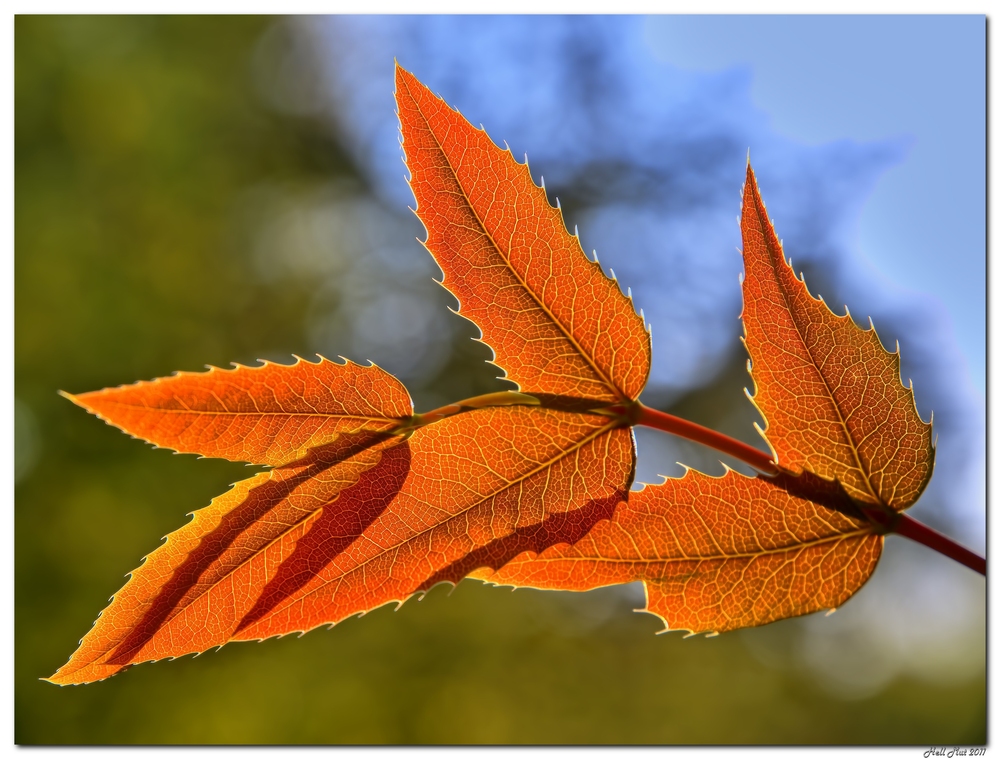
[(628, 297), (841, 319)]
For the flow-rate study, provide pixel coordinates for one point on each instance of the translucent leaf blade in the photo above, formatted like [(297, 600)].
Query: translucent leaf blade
[(225, 554), (297, 547), (555, 322), (483, 487), (263, 415), (830, 393), (718, 554)]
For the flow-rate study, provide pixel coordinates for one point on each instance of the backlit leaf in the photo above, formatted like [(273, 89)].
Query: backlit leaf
[(369, 504), (264, 415), (718, 554), (556, 323), (830, 393), (344, 531)]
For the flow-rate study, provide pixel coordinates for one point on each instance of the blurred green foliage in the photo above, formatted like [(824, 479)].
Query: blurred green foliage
[(135, 139)]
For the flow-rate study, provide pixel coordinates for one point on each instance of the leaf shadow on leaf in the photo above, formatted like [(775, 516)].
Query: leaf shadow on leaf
[(827, 493), (258, 503), (340, 524), (562, 527)]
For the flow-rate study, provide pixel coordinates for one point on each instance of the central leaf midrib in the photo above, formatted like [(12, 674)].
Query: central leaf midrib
[(198, 412), (562, 328), (860, 532), (778, 260)]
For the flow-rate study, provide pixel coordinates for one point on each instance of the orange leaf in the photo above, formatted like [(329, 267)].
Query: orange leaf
[(556, 323), (265, 415), (344, 531), (830, 393), (720, 553), (370, 504), (224, 553)]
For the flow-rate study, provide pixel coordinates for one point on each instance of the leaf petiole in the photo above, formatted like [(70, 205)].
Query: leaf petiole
[(660, 420)]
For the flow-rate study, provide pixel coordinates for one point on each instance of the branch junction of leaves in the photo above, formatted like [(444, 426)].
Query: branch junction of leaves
[(638, 414)]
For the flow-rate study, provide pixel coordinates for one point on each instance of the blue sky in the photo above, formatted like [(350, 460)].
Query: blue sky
[(920, 78)]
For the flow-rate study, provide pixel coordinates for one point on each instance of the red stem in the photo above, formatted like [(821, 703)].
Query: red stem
[(899, 524), (659, 420), (914, 530)]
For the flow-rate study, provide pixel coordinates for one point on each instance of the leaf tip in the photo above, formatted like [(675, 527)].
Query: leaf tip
[(400, 72), (73, 399)]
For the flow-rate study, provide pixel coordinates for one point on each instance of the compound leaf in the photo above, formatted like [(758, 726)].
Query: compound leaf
[(369, 504)]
